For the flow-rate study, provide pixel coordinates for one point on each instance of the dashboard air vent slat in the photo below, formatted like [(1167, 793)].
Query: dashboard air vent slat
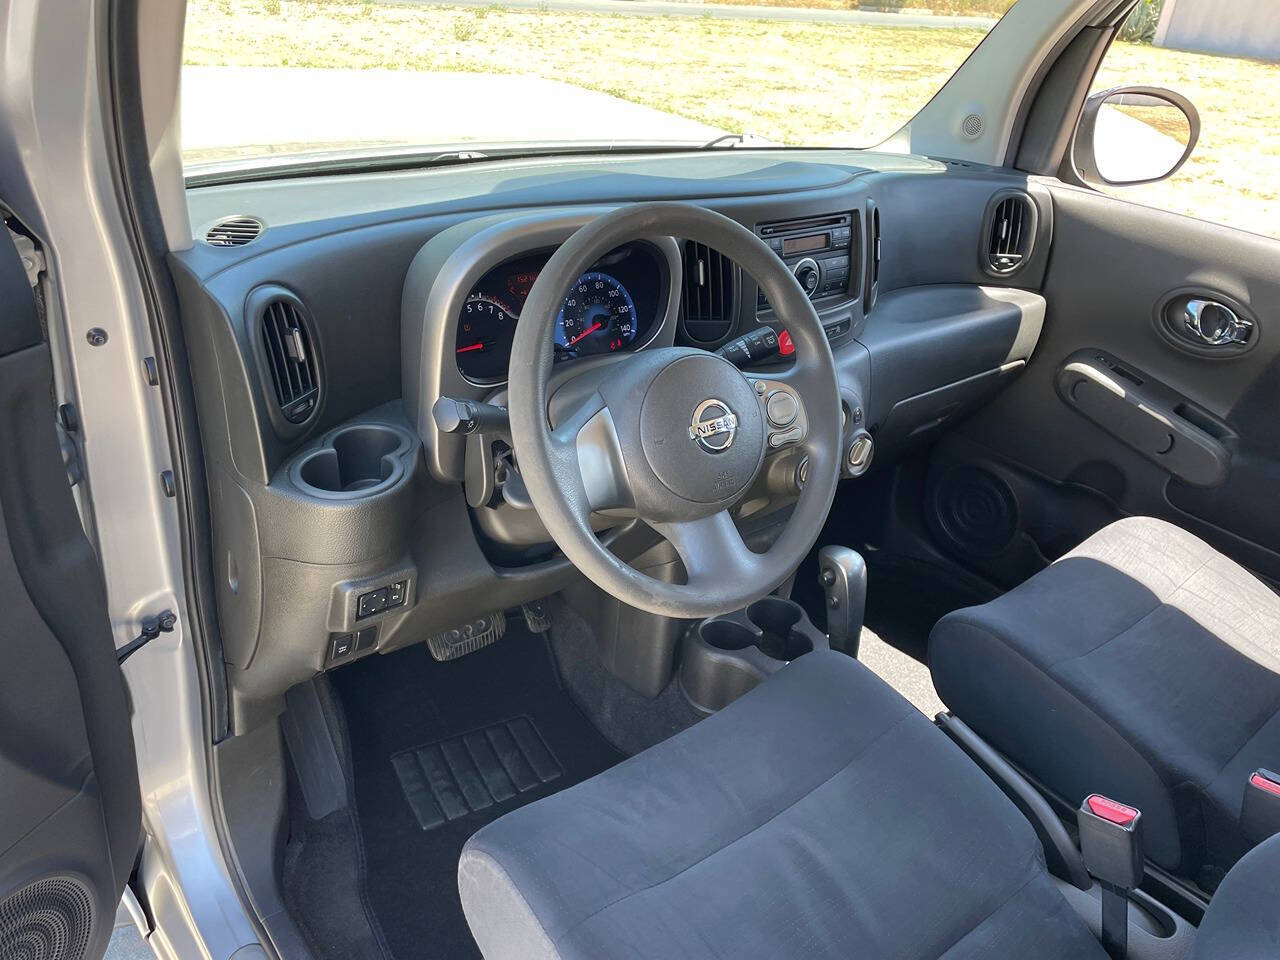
[(234, 232), (291, 361), (1009, 239), (708, 293)]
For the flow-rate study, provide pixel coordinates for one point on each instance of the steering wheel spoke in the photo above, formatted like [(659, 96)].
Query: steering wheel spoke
[(712, 550), (585, 447)]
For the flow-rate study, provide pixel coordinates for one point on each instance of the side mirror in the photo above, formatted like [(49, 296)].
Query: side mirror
[(1132, 135)]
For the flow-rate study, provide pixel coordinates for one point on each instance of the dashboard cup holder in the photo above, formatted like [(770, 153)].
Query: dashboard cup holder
[(356, 461), (724, 657)]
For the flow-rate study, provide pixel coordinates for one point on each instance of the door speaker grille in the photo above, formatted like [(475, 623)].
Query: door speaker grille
[(976, 510), (50, 919)]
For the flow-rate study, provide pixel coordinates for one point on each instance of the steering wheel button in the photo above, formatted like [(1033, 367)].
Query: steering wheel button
[(781, 408), (778, 439)]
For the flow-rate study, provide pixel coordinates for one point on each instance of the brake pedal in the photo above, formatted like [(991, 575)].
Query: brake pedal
[(468, 638)]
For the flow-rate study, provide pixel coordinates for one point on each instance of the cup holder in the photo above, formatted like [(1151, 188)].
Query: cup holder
[(727, 635), (354, 462), (777, 619), (724, 657)]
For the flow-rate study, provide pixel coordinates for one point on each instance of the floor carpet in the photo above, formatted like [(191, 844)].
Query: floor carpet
[(439, 750)]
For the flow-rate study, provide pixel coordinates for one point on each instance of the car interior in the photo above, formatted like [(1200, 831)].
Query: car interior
[(567, 637), (987, 413)]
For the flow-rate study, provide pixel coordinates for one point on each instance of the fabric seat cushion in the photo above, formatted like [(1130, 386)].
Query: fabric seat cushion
[(1144, 665), (818, 816)]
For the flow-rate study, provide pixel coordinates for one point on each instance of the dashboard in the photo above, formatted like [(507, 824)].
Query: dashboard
[(613, 308), (318, 349)]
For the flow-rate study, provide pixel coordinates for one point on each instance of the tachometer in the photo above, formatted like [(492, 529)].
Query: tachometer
[(486, 330), (598, 316)]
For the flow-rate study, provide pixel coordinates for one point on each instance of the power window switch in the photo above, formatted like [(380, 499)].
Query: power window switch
[(396, 592), (340, 647)]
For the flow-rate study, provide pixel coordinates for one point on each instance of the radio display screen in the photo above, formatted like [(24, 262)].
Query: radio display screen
[(804, 244)]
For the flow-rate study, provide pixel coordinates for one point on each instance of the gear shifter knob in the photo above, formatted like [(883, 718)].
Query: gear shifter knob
[(843, 575)]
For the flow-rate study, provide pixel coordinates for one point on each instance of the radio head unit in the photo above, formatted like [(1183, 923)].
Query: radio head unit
[(821, 251)]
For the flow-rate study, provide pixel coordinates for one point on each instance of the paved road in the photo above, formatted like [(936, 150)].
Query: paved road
[(721, 11)]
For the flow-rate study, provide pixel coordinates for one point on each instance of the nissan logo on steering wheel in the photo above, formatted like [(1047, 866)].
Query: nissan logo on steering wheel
[(714, 426)]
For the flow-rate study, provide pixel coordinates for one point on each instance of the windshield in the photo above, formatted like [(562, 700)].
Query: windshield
[(272, 80)]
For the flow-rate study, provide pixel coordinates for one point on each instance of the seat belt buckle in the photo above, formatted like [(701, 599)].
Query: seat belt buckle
[(1111, 844), (1260, 815), (1111, 841)]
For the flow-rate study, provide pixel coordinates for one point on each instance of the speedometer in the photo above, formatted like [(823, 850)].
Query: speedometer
[(598, 316)]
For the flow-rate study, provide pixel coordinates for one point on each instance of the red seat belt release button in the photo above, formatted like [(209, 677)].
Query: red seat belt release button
[(1260, 815), (1118, 813)]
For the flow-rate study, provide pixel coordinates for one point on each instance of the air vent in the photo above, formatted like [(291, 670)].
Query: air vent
[(289, 351), (873, 255), (709, 293), (1010, 234), (234, 232)]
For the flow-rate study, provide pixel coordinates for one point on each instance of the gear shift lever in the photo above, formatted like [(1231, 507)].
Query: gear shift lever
[(843, 575)]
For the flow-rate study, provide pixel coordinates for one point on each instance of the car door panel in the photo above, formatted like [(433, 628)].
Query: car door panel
[(1142, 423), (70, 820)]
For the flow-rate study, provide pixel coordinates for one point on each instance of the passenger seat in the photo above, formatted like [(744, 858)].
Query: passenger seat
[(1143, 665)]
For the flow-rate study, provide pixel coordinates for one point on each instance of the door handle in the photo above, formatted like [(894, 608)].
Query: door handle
[(1215, 324)]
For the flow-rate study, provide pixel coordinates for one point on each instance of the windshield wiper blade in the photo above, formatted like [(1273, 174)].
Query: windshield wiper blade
[(458, 155), (737, 140), (724, 140)]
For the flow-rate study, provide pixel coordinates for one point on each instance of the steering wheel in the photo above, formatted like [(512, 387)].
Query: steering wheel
[(676, 435)]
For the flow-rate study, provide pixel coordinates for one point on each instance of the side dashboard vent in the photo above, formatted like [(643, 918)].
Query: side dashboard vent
[(1010, 234), (234, 232), (709, 293), (289, 351), (873, 255)]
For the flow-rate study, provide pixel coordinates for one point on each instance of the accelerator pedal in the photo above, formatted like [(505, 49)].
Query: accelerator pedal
[(536, 616)]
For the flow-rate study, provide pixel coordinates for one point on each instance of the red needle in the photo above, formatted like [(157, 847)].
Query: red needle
[(470, 347), (591, 329)]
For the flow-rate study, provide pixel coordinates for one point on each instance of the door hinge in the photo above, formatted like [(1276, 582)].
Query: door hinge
[(152, 627)]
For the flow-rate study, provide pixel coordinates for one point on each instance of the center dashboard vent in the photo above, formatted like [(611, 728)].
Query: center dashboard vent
[(234, 232), (1010, 233), (709, 294), (289, 354)]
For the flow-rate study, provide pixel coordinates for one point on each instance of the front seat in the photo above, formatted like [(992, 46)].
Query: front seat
[(1143, 665), (819, 816)]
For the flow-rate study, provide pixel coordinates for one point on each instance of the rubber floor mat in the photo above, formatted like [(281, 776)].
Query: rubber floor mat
[(452, 778), (425, 782)]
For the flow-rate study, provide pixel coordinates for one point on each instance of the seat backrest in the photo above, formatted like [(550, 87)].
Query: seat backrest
[(1243, 919)]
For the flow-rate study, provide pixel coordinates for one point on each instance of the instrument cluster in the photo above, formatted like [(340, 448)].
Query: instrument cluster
[(613, 307)]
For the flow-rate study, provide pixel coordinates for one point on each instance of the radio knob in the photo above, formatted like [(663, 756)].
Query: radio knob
[(807, 273)]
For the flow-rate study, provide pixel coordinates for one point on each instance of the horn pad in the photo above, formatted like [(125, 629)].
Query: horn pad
[(702, 430)]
